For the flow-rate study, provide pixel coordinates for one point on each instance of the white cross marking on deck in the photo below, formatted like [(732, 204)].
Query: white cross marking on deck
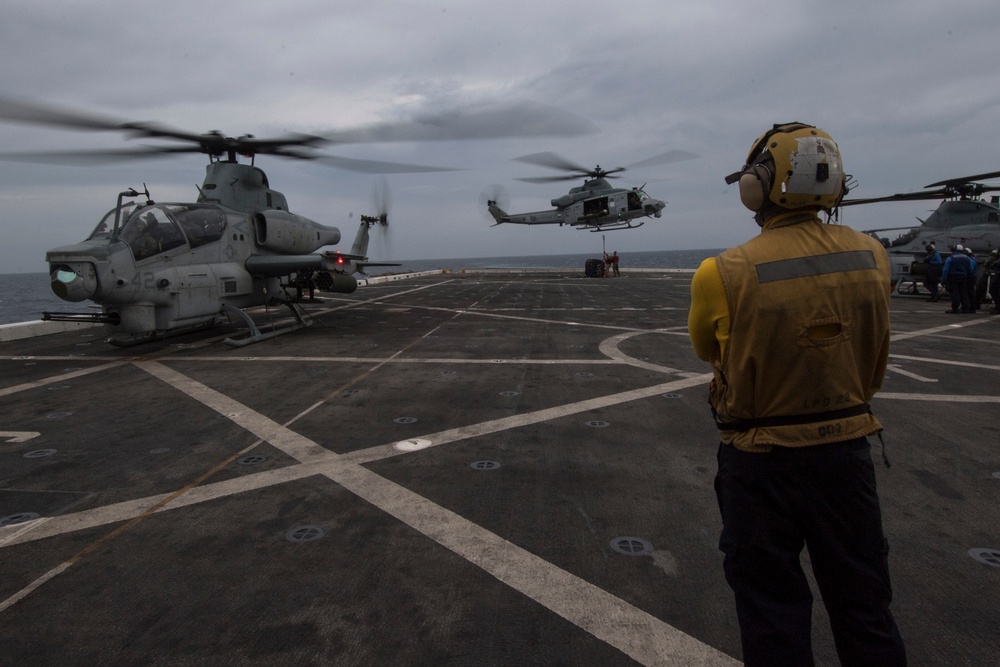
[(636, 633), (896, 369), (18, 436)]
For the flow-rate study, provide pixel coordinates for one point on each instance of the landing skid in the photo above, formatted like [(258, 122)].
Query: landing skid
[(608, 227), (302, 320), (128, 340)]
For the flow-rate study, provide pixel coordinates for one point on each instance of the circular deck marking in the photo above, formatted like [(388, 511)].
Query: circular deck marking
[(251, 460), (20, 517), (598, 424), (304, 534), (412, 445), (631, 546), (39, 453), (484, 465), (990, 557), (405, 420)]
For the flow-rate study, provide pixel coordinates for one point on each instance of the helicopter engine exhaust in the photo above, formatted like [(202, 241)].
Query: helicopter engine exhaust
[(331, 281), (284, 232)]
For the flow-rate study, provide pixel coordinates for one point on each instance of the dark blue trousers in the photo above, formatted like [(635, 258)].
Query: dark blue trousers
[(958, 289), (824, 498)]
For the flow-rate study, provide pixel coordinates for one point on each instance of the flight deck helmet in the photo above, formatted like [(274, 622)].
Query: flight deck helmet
[(791, 166)]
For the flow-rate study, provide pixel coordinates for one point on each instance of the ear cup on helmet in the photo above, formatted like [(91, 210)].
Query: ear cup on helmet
[(755, 187)]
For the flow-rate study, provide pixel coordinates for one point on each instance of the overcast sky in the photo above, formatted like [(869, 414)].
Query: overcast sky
[(909, 90)]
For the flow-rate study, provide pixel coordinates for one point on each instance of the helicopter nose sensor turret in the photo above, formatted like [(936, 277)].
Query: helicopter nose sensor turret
[(654, 207), (74, 282)]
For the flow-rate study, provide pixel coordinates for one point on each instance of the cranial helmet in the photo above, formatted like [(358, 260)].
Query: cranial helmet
[(792, 166)]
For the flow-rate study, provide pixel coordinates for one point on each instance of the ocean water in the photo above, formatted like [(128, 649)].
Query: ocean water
[(25, 296)]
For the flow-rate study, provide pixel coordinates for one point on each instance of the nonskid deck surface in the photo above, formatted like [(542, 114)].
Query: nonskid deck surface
[(451, 469)]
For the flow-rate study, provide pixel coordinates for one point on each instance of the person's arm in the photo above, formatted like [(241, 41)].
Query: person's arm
[(708, 319)]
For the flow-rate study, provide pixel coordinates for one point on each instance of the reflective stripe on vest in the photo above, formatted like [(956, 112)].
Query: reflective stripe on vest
[(817, 265)]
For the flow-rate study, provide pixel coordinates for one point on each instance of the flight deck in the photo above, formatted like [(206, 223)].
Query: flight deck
[(477, 468)]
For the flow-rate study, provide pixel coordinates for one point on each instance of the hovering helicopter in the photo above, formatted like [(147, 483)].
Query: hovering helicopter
[(964, 218), (159, 269), (596, 205)]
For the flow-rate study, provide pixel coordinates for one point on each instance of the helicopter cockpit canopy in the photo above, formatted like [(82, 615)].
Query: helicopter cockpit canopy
[(636, 197), (152, 229), (107, 224)]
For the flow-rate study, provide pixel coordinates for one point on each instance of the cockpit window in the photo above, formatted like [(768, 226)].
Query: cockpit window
[(107, 224), (149, 232), (635, 200), (201, 224)]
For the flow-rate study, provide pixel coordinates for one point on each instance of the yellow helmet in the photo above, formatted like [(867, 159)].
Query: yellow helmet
[(792, 165)]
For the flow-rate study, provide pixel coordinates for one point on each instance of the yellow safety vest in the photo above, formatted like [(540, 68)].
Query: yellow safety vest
[(809, 335)]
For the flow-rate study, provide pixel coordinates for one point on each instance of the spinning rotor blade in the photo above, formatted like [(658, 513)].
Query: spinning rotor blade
[(493, 193), (551, 179), (381, 200), (963, 188), (967, 179), (552, 161), (37, 114), (374, 166), (905, 196), (89, 157), (481, 121), (669, 157)]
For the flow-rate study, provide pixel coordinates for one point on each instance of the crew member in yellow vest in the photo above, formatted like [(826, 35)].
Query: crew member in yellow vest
[(795, 323)]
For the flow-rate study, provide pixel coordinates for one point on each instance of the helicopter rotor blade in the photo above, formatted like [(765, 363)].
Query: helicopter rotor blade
[(20, 111), (966, 179), (375, 166), (381, 200), (551, 179), (552, 161), (91, 157), (904, 196), (493, 193), (481, 121), (669, 157)]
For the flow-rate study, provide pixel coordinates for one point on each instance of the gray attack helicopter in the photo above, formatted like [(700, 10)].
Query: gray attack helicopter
[(596, 205), (964, 218), (158, 269)]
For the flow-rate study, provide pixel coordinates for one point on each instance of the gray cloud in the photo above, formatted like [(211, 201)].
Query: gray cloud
[(908, 89)]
